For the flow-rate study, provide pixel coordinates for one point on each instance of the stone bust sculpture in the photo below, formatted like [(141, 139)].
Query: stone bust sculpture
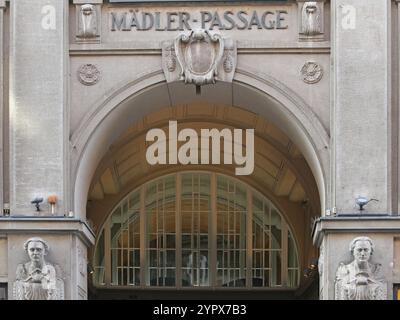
[(37, 279), (311, 19), (360, 279), (87, 27)]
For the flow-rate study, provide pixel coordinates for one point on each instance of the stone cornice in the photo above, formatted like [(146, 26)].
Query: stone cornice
[(29, 225), (151, 48), (355, 223), (87, 2), (301, 1)]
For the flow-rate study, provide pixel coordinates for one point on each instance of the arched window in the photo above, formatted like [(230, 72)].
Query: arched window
[(195, 229)]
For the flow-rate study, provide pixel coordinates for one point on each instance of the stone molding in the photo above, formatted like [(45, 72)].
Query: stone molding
[(326, 225), (87, 1), (25, 225)]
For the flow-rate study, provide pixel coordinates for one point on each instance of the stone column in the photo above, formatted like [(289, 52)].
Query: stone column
[(38, 105)]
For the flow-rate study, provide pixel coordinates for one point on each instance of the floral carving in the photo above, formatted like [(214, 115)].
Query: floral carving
[(88, 74), (311, 72)]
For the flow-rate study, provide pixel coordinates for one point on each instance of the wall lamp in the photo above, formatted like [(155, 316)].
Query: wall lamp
[(312, 269), (37, 201), (363, 201), (90, 269)]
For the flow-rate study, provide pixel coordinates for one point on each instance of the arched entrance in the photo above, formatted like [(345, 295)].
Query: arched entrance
[(257, 93), (201, 229), (284, 173)]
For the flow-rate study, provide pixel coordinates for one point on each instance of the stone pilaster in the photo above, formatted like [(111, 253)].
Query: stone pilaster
[(360, 106), (2, 9), (38, 105)]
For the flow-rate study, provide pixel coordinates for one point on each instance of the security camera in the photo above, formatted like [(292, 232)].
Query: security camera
[(37, 202), (362, 201)]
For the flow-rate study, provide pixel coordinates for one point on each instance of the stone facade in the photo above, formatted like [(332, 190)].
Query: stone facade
[(79, 79)]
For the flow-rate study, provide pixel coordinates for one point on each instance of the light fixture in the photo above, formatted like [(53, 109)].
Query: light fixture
[(312, 269), (52, 200), (90, 269), (362, 201), (37, 202)]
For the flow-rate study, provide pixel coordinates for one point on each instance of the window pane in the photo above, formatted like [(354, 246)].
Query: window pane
[(195, 213), (231, 233), (160, 225)]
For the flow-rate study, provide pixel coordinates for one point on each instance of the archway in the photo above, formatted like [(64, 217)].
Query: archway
[(109, 128), (257, 93)]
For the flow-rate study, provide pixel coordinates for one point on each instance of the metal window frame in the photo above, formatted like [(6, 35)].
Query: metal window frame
[(213, 220)]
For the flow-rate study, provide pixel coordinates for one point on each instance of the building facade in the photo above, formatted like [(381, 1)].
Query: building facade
[(273, 170)]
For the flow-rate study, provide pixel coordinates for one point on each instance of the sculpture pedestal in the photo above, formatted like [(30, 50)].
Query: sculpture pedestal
[(333, 236), (68, 240)]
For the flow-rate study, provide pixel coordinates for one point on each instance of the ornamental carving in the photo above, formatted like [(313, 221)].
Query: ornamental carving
[(87, 24), (311, 19), (37, 279), (228, 61), (88, 74), (170, 58), (311, 72), (360, 279), (199, 57)]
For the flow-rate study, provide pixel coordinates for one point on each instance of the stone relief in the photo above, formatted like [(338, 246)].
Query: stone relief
[(199, 57), (311, 72), (87, 23), (360, 279), (199, 54), (170, 58), (37, 279), (311, 20), (88, 74), (228, 61)]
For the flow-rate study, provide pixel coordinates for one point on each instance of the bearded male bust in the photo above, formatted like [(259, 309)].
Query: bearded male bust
[(360, 279)]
